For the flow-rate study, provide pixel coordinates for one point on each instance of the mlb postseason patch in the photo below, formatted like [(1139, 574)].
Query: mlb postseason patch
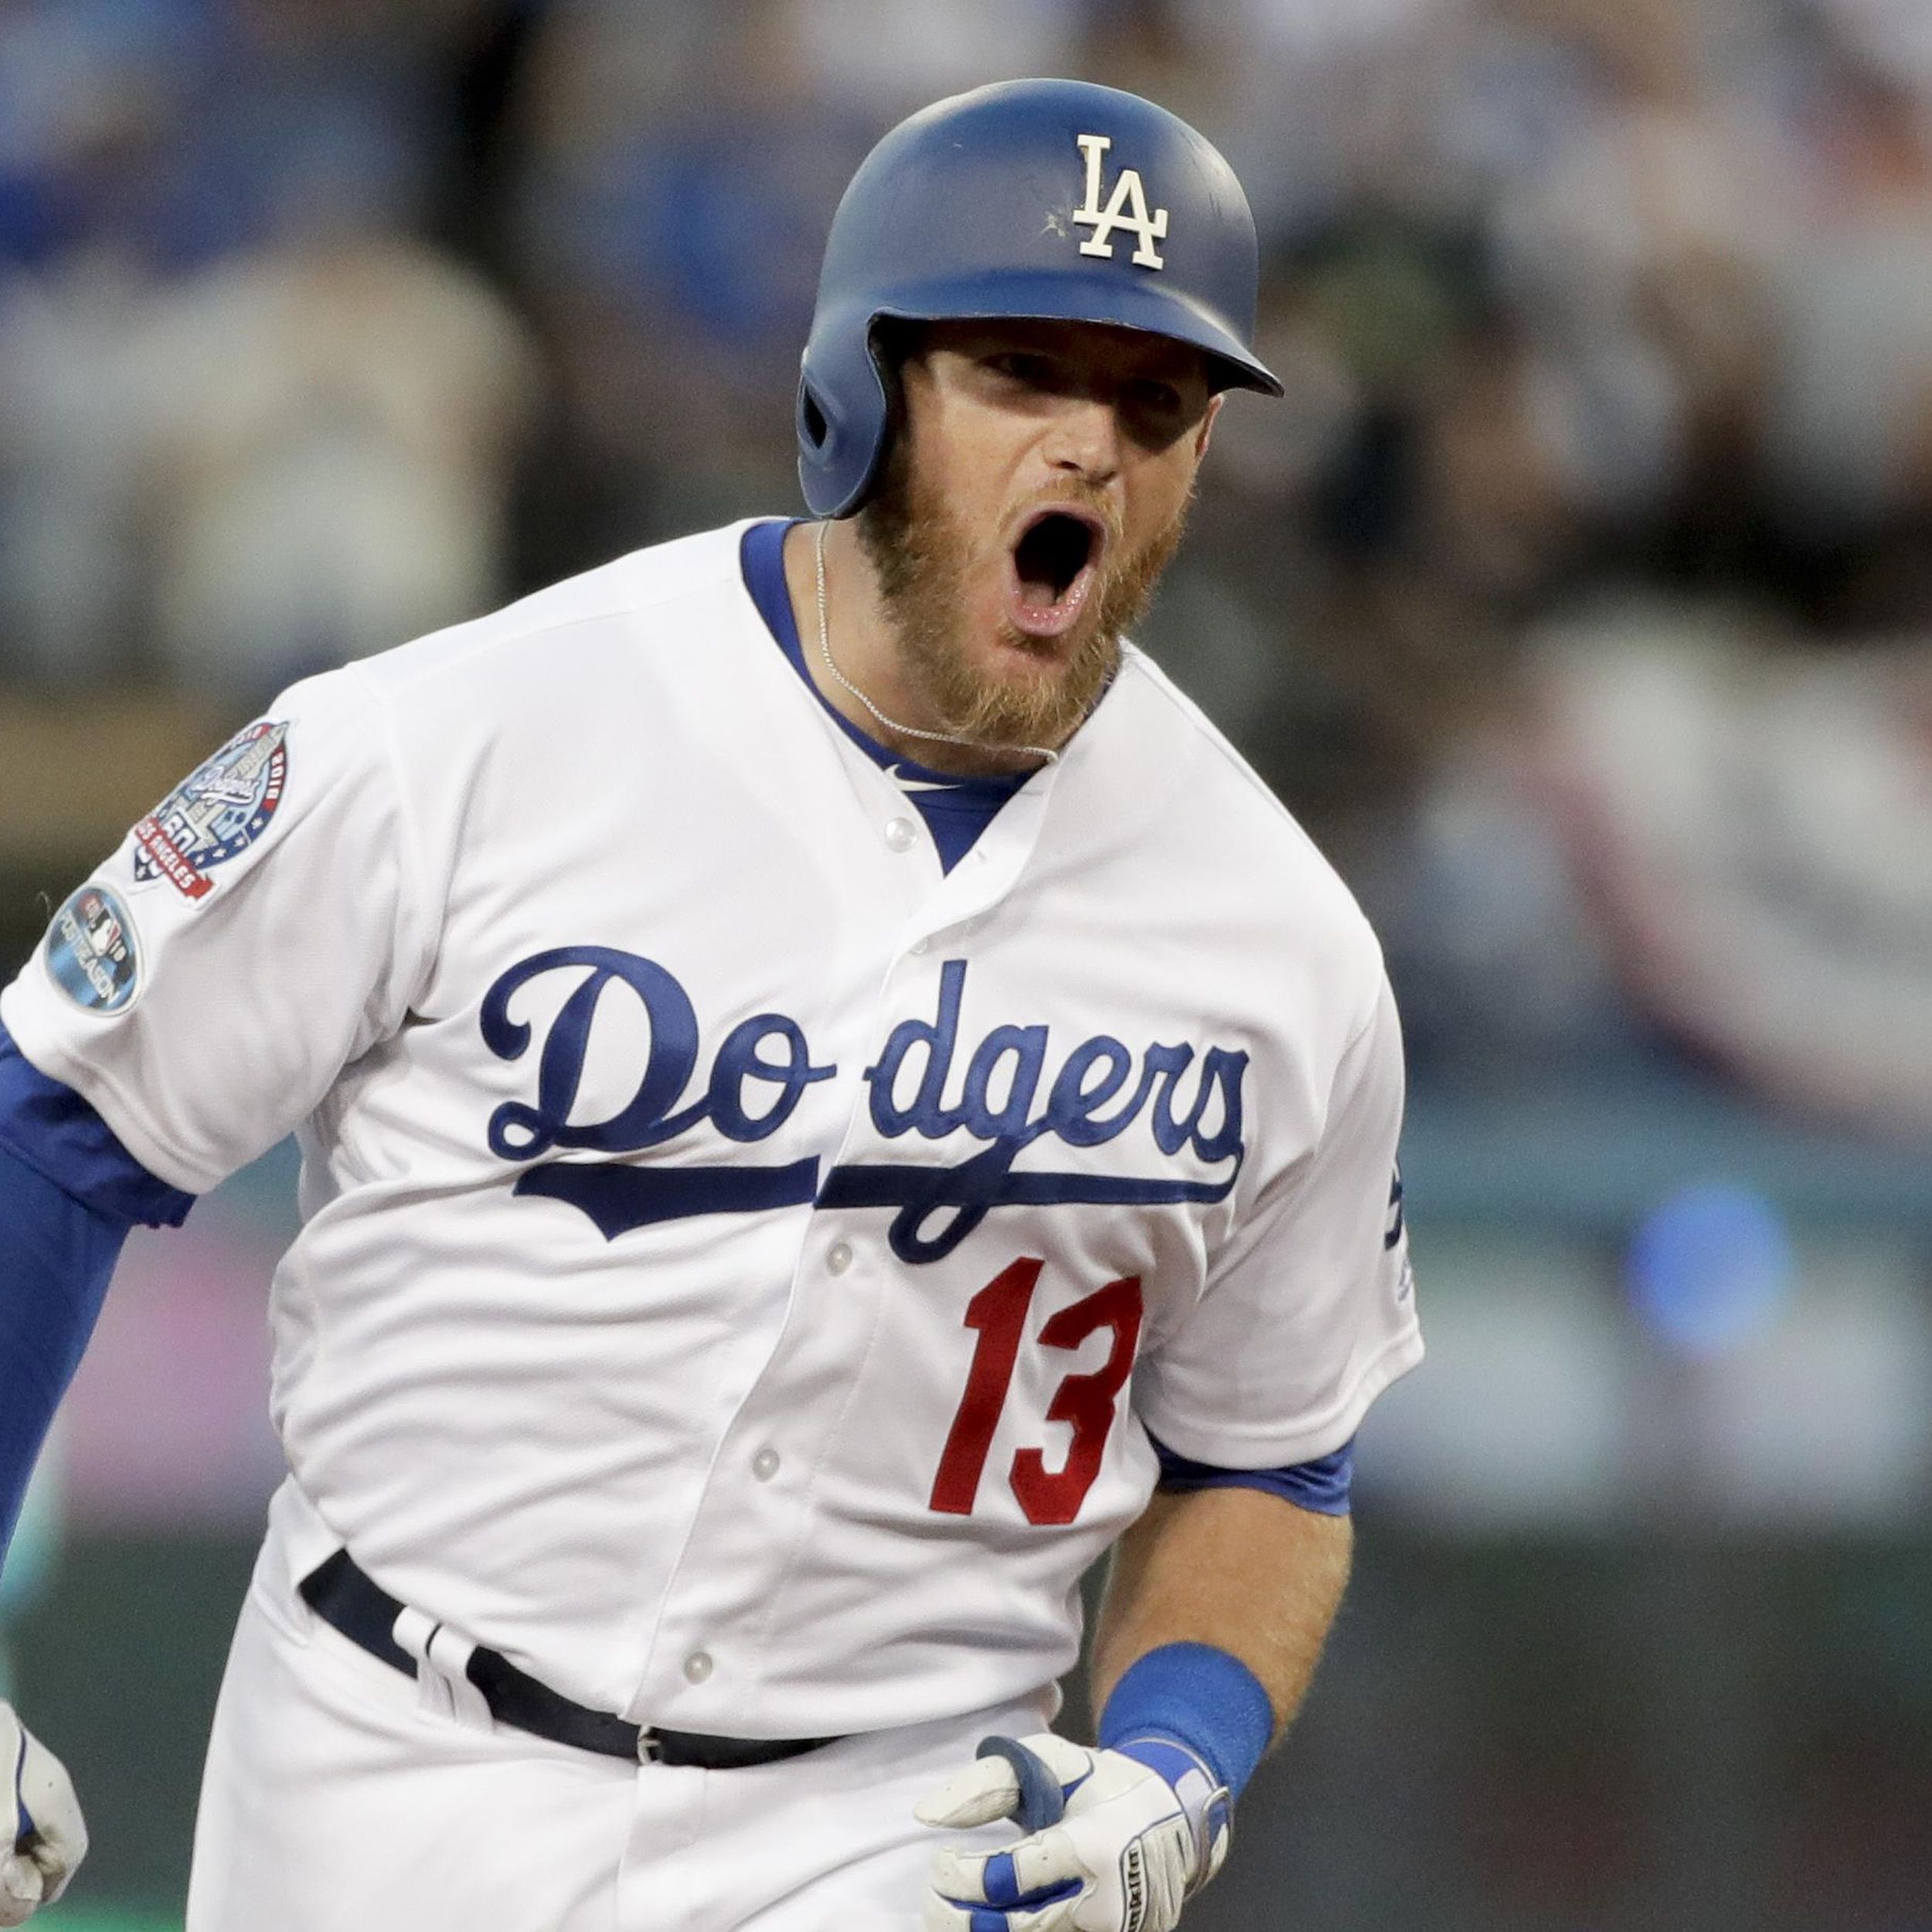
[(215, 813), (92, 953)]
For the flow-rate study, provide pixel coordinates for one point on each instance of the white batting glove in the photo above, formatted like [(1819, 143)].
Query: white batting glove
[(41, 1836), (1113, 1845)]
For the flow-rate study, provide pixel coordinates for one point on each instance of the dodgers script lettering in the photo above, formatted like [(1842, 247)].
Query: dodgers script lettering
[(1004, 1092)]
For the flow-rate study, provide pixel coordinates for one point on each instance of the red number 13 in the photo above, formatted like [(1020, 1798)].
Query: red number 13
[(998, 1313)]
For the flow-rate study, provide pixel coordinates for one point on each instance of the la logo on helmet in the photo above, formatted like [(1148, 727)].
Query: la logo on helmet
[(1128, 208)]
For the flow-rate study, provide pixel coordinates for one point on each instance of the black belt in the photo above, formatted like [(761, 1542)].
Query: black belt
[(365, 1613)]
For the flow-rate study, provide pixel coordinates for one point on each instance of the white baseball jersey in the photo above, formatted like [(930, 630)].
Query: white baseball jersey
[(742, 1262)]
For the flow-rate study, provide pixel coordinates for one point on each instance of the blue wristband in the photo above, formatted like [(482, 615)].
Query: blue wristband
[(1199, 1697)]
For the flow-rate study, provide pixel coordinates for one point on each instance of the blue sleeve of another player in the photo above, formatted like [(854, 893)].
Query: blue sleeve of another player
[(1321, 1485), (69, 1192)]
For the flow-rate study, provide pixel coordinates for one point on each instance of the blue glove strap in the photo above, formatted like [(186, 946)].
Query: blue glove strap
[(1042, 1802), (1004, 1895), (1199, 1697)]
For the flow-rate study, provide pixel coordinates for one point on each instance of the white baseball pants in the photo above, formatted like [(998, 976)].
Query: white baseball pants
[(333, 1801)]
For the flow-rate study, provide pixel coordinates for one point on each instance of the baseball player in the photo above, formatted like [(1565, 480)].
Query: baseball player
[(829, 1097)]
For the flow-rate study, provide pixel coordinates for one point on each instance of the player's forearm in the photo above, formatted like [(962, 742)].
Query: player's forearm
[(1235, 1568)]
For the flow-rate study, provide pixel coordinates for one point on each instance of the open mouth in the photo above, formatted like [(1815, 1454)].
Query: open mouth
[(1053, 561)]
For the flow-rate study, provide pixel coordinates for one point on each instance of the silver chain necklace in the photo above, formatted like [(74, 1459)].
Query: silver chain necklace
[(893, 724)]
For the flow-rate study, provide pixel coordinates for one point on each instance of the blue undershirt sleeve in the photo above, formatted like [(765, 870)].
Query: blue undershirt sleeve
[(1320, 1485), (69, 1192), (52, 1129), (56, 1257)]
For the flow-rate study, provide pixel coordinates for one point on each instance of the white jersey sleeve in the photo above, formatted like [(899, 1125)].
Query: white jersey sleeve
[(253, 935), (1308, 1314)]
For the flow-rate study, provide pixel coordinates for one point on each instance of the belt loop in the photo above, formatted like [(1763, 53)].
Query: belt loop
[(442, 1659)]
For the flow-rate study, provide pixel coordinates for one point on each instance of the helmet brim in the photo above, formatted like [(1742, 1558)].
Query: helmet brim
[(1055, 296)]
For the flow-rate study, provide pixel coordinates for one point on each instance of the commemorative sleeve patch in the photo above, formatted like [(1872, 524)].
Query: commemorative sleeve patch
[(215, 813), (92, 954)]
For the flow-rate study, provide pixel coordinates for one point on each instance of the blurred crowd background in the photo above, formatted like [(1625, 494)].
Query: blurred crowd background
[(1579, 600)]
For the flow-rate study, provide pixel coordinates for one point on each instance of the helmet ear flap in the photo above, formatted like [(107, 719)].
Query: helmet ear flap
[(845, 403), (814, 431)]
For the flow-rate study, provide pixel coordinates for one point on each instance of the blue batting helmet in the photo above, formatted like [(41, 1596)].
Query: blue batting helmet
[(1054, 199)]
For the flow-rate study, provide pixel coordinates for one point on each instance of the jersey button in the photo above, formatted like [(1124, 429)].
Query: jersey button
[(697, 1667), (839, 1257), (765, 1464), (900, 834)]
